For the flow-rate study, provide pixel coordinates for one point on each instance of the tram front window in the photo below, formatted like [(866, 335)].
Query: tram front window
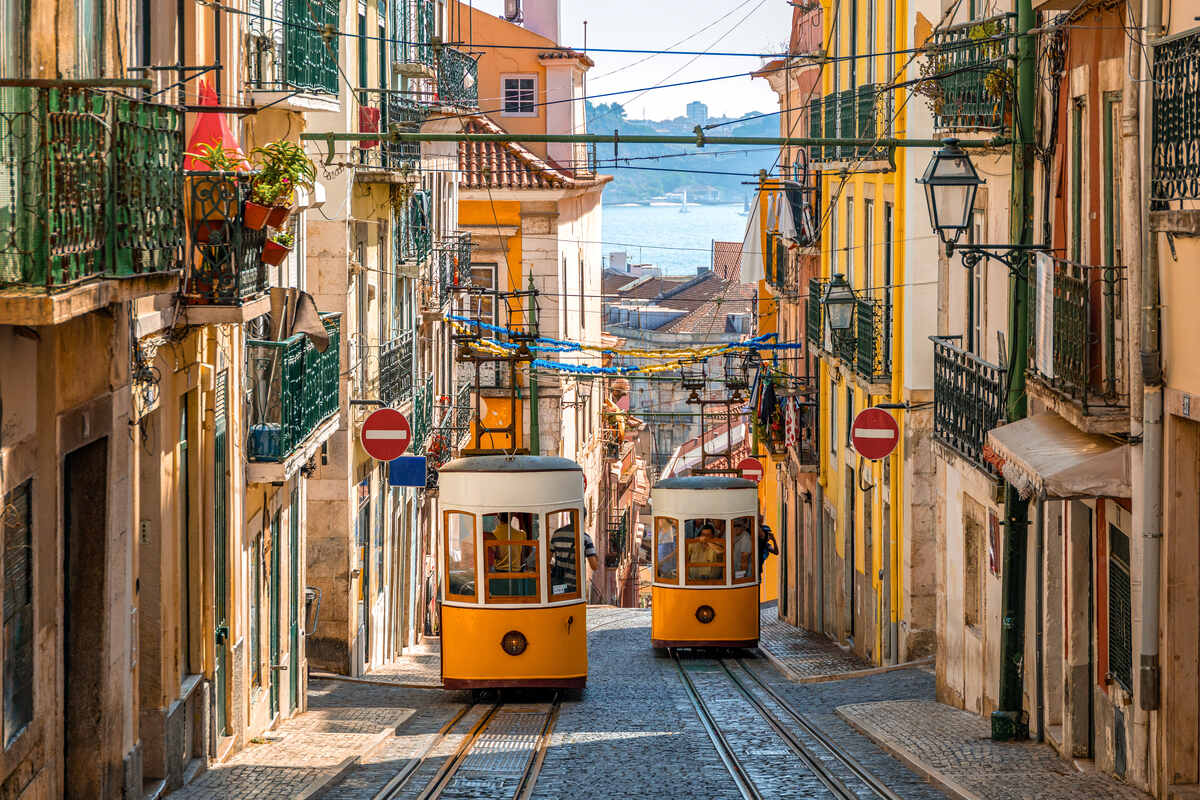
[(666, 551), (460, 555), (743, 550), (705, 547), (510, 543), (563, 554)]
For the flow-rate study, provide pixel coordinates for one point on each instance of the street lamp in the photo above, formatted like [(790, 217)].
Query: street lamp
[(839, 303), (950, 183)]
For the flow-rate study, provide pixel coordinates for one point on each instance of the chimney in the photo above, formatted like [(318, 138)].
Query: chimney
[(543, 18)]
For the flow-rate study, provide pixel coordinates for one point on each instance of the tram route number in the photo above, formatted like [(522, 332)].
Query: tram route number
[(385, 435)]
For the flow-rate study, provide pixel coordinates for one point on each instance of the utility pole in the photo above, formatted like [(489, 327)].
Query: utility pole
[(535, 443), (1008, 721)]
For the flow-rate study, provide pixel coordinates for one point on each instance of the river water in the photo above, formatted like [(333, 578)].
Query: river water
[(675, 242)]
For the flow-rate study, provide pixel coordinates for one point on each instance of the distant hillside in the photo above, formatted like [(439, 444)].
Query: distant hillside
[(643, 179)]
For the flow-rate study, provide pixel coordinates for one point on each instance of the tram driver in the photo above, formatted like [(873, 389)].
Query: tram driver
[(510, 558), (706, 552)]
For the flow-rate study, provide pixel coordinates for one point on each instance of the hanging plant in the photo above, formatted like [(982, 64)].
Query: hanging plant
[(276, 249), (283, 166)]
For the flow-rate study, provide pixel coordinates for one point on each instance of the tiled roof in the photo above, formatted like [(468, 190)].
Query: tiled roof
[(726, 259), (566, 52), (508, 165)]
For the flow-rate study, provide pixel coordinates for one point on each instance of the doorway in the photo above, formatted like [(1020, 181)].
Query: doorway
[(294, 602), (849, 550), (85, 624), (273, 610)]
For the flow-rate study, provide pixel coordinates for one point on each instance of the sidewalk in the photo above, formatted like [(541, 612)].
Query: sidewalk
[(419, 668), (802, 655), (954, 750)]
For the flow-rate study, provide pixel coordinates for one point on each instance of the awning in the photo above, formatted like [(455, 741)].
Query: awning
[(1047, 456)]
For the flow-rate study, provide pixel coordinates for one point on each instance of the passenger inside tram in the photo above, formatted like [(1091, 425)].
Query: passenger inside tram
[(743, 549), (667, 531), (562, 557), (460, 555), (705, 551), (510, 541)]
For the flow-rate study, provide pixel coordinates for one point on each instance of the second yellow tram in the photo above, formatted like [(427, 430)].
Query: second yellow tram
[(705, 562), (511, 566)]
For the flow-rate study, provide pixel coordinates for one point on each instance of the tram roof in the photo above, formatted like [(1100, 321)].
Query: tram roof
[(511, 464), (705, 482)]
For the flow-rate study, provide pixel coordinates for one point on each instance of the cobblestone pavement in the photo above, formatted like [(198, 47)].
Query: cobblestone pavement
[(802, 655), (954, 748)]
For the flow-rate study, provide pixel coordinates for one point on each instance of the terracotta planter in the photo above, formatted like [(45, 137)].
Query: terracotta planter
[(278, 216), (274, 253), (254, 216)]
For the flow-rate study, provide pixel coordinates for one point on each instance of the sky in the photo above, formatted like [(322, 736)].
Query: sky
[(745, 26)]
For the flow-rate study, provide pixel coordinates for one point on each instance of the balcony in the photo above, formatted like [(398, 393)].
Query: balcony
[(1174, 169), (422, 416), (293, 396), (968, 400), (389, 162), (293, 55), (1077, 345), (861, 113), (865, 348), (413, 52), (967, 78), (414, 236), (396, 370), (227, 281), (91, 187), (457, 79), (449, 269)]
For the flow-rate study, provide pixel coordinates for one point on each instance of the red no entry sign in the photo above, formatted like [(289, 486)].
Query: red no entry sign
[(751, 469), (874, 433), (385, 435)]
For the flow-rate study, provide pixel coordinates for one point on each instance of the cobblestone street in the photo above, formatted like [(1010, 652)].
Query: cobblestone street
[(636, 732)]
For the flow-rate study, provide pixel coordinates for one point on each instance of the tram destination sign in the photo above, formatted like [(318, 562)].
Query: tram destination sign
[(385, 435), (874, 433)]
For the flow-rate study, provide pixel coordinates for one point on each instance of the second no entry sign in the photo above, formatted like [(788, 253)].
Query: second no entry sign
[(875, 433)]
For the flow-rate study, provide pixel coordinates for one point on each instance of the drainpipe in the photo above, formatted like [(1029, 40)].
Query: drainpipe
[(1152, 412), (1039, 627), (819, 515), (1008, 720), (535, 443)]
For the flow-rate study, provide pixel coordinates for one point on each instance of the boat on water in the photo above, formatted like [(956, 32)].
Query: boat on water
[(683, 207)]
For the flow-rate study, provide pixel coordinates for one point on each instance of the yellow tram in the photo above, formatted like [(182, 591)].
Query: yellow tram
[(705, 562), (511, 565)]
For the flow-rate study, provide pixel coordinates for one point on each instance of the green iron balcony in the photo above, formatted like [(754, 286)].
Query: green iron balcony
[(225, 266), (966, 77), (814, 325), (850, 114), (968, 399), (413, 232), (1175, 169), (458, 79), (394, 110), (1077, 334), (396, 370), (422, 416), (874, 353), (91, 186), (451, 265), (297, 53), (293, 389), (413, 51)]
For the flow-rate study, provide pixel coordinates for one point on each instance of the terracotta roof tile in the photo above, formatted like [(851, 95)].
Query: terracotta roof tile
[(726, 259), (508, 165)]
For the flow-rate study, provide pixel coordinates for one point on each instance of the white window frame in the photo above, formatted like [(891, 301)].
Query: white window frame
[(513, 76)]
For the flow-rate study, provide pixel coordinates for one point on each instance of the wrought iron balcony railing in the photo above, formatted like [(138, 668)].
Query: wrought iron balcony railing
[(91, 186), (396, 370), (292, 390), (464, 411), (1077, 351), (967, 78), (450, 268), (458, 79), (873, 323), (1175, 169), (859, 113), (968, 400), (296, 53), (225, 264), (414, 24), (396, 111), (422, 418), (413, 231), (775, 262)]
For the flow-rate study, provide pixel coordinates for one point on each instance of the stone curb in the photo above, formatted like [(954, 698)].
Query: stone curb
[(934, 776), (796, 677), (329, 676), (332, 774)]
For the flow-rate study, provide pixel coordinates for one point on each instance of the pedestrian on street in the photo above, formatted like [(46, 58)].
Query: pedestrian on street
[(766, 544)]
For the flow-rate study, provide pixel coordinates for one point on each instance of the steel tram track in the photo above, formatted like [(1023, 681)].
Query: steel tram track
[(442, 784), (837, 787)]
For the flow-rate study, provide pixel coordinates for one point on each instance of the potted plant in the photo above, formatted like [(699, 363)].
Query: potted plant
[(276, 249), (283, 167), (212, 200)]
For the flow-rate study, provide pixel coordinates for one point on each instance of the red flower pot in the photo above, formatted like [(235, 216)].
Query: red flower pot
[(274, 253), (254, 216), (278, 216)]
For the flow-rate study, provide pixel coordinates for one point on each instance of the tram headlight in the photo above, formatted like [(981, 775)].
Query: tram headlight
[(514, 643), (705, 614)]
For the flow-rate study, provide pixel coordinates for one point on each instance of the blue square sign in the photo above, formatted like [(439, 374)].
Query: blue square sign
[(407, 471)]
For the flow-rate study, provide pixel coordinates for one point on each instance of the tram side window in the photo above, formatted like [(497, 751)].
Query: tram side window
[(563, 554), (510, 543), (666, 550), (743, 550), (705, 549), (460, 555)]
